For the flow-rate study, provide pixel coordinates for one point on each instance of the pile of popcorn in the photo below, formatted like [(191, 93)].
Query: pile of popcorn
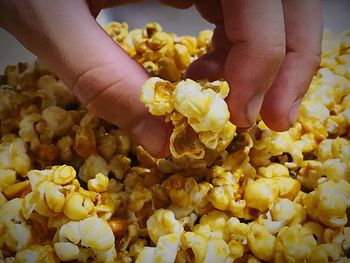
[(76, 188)]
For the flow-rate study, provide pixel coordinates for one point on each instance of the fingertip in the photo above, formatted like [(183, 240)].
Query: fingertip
[(153, 135), (209, 66)]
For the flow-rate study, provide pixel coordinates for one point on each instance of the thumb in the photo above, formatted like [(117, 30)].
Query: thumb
[(67, 38)]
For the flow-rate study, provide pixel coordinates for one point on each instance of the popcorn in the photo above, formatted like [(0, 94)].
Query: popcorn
[(99, 183), (328, 203), (261, 242), (292, 187), (161, 223), (261, 194), (77, 207), (202, 105), (66, 251), (294, 244), (16, 233)]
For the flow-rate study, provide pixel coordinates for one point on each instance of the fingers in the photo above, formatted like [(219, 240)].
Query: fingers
[(67, 38), (303, 23), (211, 65), (256, 31)]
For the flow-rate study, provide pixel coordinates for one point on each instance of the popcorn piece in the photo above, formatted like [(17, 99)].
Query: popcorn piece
[(261, 242), (328, 202), (77, 207), (16, 234), (294, 244), (99, 183), (66, 251), (161, 223), (324, 252), (96, 233), (261, 194), (156, 95), (93, 165), (63, 174), (36, 253)]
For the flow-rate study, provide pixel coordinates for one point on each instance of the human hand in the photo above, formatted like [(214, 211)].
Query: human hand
[(267, 50), (249, 49)]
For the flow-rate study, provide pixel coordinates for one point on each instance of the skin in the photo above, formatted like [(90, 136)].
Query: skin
[(268, 51)]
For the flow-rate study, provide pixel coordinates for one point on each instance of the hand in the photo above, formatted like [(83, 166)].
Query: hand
[(250, 41), (66, 37), (268, 51)]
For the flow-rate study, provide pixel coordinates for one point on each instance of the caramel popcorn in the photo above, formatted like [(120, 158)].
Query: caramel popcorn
[(76, 188)]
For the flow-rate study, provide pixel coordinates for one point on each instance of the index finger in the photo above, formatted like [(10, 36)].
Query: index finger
[(256, 31)]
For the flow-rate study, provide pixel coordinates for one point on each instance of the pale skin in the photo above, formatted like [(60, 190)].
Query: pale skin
[(268, 51)]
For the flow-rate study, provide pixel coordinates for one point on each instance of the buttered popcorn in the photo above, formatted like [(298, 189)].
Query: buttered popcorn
[(192, 108), (74, 188)]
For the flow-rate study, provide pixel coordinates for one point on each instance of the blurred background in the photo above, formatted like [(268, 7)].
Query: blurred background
[(336, 15)]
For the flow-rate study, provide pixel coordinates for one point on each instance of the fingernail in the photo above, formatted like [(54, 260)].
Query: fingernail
[(151, 134), (294, 112), (253, 108)]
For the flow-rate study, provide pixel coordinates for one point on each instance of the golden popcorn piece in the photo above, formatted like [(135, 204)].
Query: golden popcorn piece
[(99, 184), (54, 197), (77, 207), (7, 177), (324, 253), (328, 203), (184, 142), (36, 253), (63, 174), (16, 190), (156, 95), (294, 244), (16, 233), (161, 223), (261, 242), (96, 233), (261, 194), (66, 251)]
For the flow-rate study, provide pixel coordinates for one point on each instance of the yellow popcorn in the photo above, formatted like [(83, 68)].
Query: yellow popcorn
[(99, 184), (161, 223), (328, 203), (70, 231), (96, 233), (190, 206), (261, 242), (204, 38), (217, 250), (119, 165), (294, 244), (77, 207), (118, 31), (93, 165), (324, 252), (184, 142), (16, 234), (261, 194), (236, 249), (167, 69), (181, 56), (13, 155), (218, 141), (288, 187), (274, 170), (156, 95), (288, 212), (63, 174), (36, 253), (54, 197), (66, 251)]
